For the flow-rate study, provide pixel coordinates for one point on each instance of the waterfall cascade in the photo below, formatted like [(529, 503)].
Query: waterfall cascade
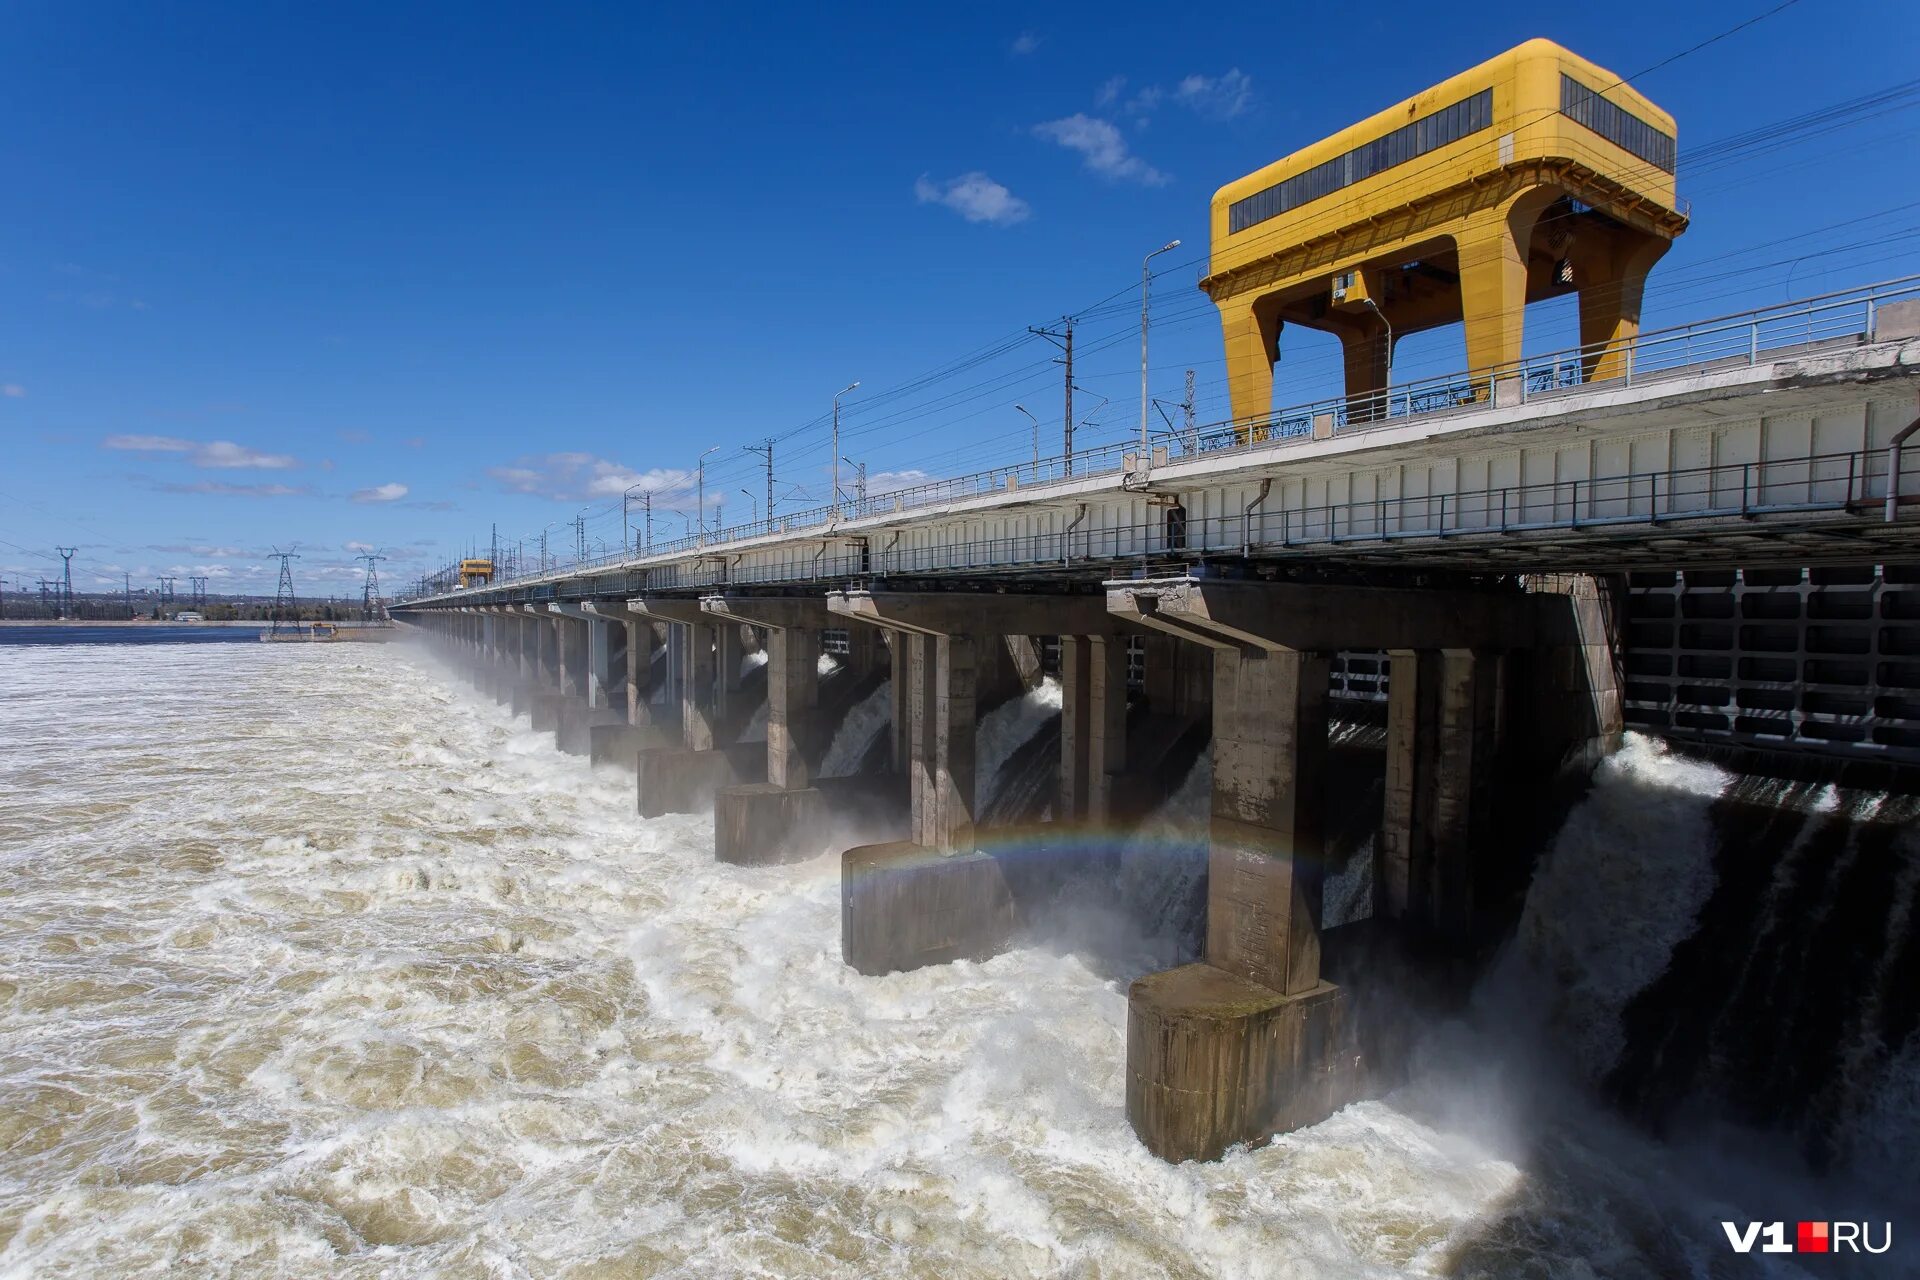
[(1719, 947), (865, 721), (1004, 730)]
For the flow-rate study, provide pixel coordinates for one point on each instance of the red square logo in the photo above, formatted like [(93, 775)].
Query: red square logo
[(1813, 1237)]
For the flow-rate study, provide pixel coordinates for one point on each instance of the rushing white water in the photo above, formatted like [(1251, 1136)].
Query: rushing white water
[(1642, 846), (856, 732), (313, 963), (1003, 729), (756, 726)]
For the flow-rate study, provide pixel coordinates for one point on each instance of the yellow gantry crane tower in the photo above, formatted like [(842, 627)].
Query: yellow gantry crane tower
[(1533, 174)]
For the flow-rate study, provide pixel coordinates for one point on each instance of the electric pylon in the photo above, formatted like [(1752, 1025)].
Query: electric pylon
[(370, 593), (286, 611), (66, 580)]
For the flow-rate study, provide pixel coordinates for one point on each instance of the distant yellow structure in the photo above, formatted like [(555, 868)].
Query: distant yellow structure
[(475, 573), (1533, 174)]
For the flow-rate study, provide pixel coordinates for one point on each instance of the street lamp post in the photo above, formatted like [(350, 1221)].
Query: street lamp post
[(755, 508), (700, 505), (1146, 280), (1036, 435), (833, 507)]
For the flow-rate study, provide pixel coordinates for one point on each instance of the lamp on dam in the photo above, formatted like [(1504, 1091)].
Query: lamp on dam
[(833, 501), (1146, 280)]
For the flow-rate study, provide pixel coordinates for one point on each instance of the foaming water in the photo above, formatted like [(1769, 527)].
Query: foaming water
[(316, 964), (1641, 843), (1004, 728), (857, 731)]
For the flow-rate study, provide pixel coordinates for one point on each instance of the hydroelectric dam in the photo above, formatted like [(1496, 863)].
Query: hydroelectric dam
[(1719, 546), (1706, 533)]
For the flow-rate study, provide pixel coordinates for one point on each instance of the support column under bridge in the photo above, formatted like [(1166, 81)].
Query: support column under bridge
[(705, 652), (938, 895), (786, 815), (589, 644), (1253, 1040)]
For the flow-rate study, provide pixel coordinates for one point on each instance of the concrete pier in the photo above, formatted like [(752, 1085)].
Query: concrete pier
[(1214, 1060), (676, 780), (905, 906), (785, 816), (1253, 1041), (1093, 727), (935, 897), (620, 744), (687, 777)]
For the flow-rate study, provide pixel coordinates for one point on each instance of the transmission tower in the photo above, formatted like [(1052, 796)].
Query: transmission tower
[(370, 593), (46, 606), (166, 597), (66, 580), (286, 612), (199, 593)]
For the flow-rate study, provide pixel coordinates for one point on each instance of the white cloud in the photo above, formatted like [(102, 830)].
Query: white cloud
[(1102, 148), (227, 455), (222, 455), (391, 492), (1218, 97), (1025, 43), (13, 390), (579, 476), (975, 197), (356, 548), (148, 444), (880, 482), (1144, 103), (235, 490)]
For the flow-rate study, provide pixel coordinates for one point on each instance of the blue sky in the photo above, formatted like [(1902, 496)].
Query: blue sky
[(373, 276)]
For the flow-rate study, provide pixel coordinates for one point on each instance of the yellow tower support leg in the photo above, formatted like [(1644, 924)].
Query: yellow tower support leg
[(1250, 339), (1610, 307), (1493, 297)]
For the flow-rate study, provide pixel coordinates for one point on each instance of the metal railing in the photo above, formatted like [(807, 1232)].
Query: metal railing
[(1746, 338), (1752, 491)]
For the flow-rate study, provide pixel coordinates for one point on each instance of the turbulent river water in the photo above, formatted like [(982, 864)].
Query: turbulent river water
[(313, 963)]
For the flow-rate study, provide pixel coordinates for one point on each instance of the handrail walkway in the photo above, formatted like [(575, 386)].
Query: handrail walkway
[(1768, 334)]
